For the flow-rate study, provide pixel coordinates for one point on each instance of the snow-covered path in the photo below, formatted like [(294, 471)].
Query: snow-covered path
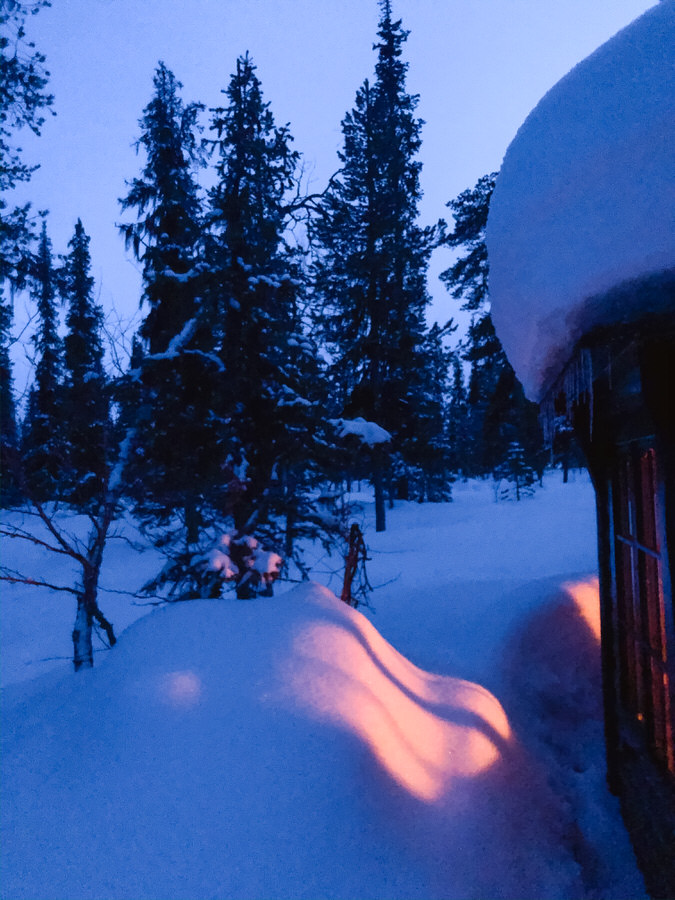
[(506, 596), (284, 748), (459, 578)]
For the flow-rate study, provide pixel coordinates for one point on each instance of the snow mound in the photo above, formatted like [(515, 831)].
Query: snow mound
[(275, 748), (585, 202)]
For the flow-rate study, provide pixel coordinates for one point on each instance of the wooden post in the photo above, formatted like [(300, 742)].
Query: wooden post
[(356, 553)]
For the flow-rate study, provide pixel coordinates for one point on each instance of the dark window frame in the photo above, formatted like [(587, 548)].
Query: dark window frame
[(643, 687)]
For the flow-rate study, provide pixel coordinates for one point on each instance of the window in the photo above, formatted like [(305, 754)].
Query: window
[(643, 678)]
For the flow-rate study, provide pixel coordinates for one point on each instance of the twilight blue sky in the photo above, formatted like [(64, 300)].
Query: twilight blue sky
[(479, 67)]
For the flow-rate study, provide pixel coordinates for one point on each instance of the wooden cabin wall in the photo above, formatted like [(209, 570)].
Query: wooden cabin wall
[(614, 421)]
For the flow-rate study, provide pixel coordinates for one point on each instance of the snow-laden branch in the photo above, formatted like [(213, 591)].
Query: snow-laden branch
[(211, 357), (174, 350), (367, 432), (115, 479)]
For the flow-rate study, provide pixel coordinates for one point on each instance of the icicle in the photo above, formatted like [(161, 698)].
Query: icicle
[(588, 385), (547, 418)]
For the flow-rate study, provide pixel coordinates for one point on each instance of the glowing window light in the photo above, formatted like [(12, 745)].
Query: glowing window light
[(586, 596)]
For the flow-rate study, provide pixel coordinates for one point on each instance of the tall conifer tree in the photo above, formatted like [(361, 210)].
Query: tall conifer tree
[(9, 483), (498, 412), (23, 100), (372, 263), (428, 445), (256, 286), (85, 400), (458, 424), (43, 446), (165, 237), (174, 382)]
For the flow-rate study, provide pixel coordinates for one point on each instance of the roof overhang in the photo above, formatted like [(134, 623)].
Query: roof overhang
[(581, 231)]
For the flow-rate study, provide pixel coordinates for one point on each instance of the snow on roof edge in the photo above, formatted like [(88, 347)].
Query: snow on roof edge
[(585, 200)]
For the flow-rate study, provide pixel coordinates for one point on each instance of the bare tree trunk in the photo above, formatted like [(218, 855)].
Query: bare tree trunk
[(380, 510), (192, 523), (88, 609), (83, 654), (403, 488), (290, 488), (289, 536)]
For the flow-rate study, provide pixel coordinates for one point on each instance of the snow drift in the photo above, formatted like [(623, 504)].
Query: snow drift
[(271, 749), (582, 218), (282, 748)]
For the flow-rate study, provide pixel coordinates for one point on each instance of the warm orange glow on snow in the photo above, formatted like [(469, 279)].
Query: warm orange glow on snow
[(423, 729), (182, 689), (586, 596)]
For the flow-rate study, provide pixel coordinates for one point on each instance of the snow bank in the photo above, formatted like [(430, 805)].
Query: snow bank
[(585, 201), (276, 749), (283, 748)]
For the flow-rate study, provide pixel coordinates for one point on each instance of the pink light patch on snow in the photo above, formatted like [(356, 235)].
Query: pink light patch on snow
[(586, 596), (181, 689), (424, 730)]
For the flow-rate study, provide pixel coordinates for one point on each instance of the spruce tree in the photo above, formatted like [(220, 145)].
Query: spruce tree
[(372, 263), (498, 414), (255, 293), (458, 418), (85, 399), (165, 236), (467, 281), (9, 481), (173, 385), (430, 448), (23, 99), (43, 447)]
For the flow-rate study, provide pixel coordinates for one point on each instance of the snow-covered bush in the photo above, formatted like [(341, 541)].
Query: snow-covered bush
[(514, 479), (205, 570)]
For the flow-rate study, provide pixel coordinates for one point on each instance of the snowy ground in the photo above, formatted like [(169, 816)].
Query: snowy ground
[(446, 745)]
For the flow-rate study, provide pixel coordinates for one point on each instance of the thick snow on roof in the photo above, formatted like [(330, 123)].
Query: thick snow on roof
[(584, 206)]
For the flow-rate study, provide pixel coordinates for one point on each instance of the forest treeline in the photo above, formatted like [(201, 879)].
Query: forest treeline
[(279, 328)]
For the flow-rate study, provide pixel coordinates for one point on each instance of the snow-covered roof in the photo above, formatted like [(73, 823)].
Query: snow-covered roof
[(584, 206)]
